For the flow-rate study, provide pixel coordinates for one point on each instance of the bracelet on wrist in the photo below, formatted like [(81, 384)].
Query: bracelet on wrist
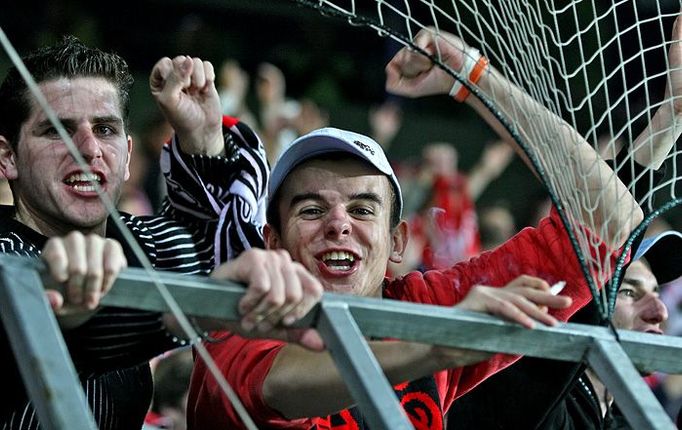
[(474, 66)]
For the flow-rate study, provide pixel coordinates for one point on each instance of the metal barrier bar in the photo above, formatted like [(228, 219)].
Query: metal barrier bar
[(205, 297), (43, 359), (360, 370), (633, 396)]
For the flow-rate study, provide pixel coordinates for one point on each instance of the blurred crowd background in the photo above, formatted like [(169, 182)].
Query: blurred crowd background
[(283, 69)]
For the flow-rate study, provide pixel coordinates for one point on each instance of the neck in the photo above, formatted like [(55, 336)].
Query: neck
[(605, 399)]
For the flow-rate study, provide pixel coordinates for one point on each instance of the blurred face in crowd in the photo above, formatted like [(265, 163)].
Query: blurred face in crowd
[(638, 306), (53, 193), (335, 220), (440, 159)]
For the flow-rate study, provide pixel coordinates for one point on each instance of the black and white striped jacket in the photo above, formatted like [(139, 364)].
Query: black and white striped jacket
[(215, 209)]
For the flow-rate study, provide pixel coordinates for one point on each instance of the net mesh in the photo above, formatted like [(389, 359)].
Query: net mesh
[(600, 66)]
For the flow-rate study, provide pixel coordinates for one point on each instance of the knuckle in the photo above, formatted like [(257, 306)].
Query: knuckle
[(274, 300), (110, 271), (259, 288), (283, 255), (77, 269), (316, 291), (74, 233), (50, 250), (94, 275), (293, 294)]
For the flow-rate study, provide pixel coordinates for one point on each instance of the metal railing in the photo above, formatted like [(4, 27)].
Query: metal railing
[(343, 322)]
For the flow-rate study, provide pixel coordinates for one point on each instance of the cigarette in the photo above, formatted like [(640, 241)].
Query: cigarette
[(556, 288)]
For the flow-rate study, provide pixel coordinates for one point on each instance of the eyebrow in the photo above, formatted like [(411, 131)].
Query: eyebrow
[(634, 282), (107, 119), (640, 285), (305, 196), (373, 197)]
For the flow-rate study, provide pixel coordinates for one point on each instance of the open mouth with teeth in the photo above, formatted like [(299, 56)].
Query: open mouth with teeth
[(83, 182), (339, 261)]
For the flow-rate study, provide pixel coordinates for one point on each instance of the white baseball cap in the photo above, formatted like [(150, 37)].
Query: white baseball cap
[(326, 140)]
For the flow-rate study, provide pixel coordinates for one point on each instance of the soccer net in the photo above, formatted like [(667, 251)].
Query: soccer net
[(600, 66)]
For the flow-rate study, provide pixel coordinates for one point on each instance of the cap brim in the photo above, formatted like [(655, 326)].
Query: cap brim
[(301, 152), (663, 252)]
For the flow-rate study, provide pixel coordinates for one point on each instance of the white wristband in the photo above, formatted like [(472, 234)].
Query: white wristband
[(471, 57)]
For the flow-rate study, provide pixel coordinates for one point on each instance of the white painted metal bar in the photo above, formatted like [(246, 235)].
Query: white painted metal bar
[(360, 370), (411, 322), (634, 398), (41, 354)]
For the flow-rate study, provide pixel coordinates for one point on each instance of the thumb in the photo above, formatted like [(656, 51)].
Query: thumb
[(157, 79), (55, 299), (170, 77)]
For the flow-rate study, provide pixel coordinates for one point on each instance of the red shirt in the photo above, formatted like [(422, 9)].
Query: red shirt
[(449, 227), (544, 252)]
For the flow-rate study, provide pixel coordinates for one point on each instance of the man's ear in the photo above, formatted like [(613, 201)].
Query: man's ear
[(399, 237), (272, 239), (129, 154), (8, 166)]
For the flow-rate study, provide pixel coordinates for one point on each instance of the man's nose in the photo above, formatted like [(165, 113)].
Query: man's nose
[(87, 143), (338, 223), (654, 310)]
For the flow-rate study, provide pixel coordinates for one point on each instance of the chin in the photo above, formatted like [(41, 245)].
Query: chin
[(339, 289), (89, 222)]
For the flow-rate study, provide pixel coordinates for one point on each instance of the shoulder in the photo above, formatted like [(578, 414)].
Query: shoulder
[(16, 238), (13, 243)]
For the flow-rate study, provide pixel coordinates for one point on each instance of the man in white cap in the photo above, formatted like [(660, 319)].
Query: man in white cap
[(335, 206)]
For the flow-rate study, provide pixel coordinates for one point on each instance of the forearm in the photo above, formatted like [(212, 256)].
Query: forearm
[(654, 143), (604, 192), (231, 188), (480, 177), (298, 375), (208, 142)]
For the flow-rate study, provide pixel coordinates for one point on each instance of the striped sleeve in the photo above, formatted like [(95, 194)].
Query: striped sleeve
[(12, 244), (241, 221), (231, 189)]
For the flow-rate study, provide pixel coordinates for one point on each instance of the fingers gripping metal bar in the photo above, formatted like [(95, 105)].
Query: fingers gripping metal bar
[(44, 362), (359, 368)]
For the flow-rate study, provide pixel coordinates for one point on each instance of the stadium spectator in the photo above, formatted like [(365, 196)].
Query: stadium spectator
[(58, 215), (563, 395), (336, 207)]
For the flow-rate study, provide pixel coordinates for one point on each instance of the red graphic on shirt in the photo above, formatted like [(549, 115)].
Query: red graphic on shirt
[(423, 411), (401, 387), (418, 398)]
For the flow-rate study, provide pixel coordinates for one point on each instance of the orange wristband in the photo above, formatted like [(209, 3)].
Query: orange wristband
[(474, 77)]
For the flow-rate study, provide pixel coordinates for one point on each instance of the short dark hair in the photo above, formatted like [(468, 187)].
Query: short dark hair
[(171, 380), (68, 59), (272, 213)]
